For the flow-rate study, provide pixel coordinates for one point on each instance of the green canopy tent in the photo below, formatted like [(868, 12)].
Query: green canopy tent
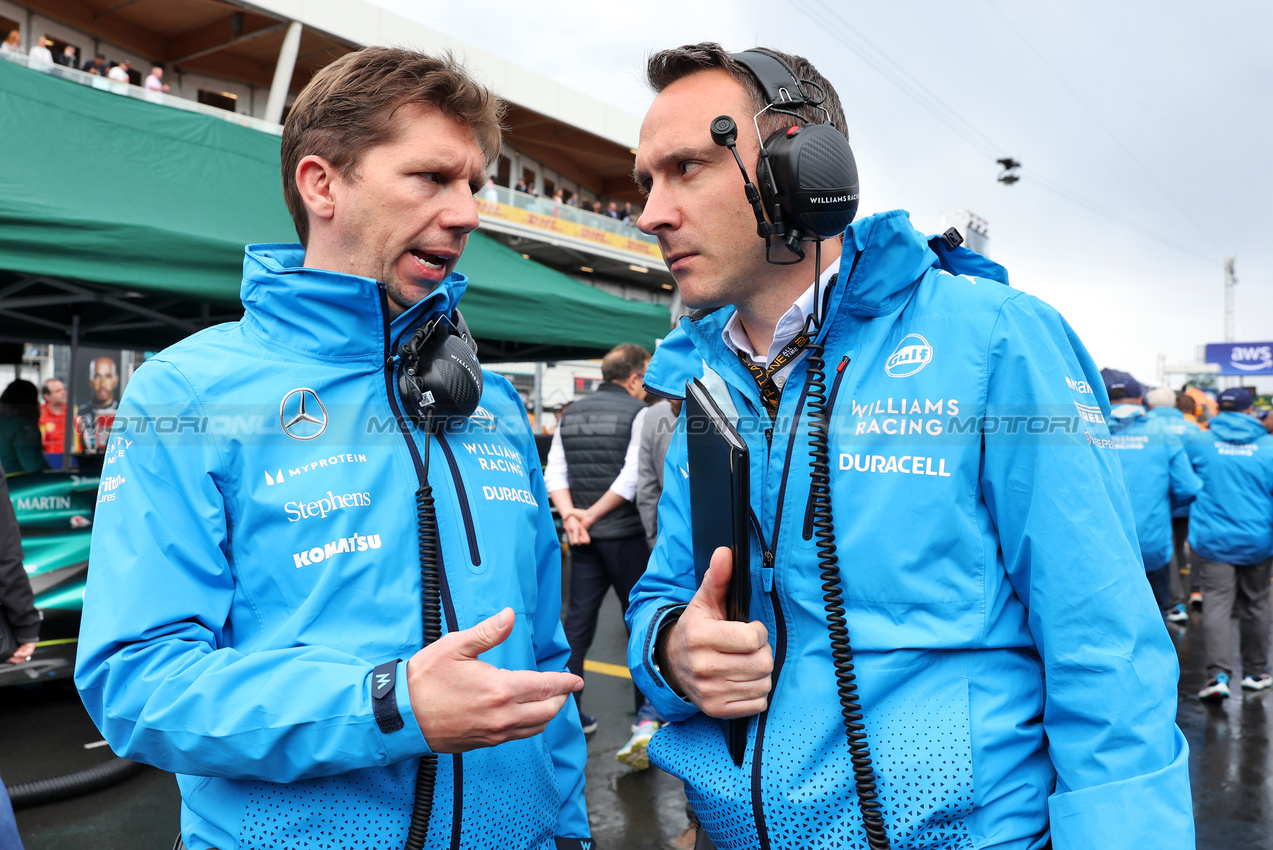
[(122, 223)]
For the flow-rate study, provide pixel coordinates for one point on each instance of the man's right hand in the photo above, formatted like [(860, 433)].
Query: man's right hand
[(463, 703), (724, 667)]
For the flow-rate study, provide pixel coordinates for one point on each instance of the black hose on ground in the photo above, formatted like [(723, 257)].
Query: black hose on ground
[(75, 784)]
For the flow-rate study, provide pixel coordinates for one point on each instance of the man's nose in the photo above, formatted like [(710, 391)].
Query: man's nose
[(659, 213), (461, 211)]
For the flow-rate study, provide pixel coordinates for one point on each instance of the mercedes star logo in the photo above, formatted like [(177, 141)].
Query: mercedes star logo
[(297, 419)]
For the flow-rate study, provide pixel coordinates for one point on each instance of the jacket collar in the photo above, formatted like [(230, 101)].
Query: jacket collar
[(884, 257), (325, 313)]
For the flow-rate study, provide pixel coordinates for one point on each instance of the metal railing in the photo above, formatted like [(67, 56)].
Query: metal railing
[(139, 93)]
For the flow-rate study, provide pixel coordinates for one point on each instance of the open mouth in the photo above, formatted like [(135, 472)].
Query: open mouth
[(434, 262)]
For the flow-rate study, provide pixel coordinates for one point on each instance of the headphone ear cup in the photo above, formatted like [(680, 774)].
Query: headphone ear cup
[(821, 195)]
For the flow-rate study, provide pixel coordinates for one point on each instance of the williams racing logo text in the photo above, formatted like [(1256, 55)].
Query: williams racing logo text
[(339, 546), (898, 417), (329, 503)]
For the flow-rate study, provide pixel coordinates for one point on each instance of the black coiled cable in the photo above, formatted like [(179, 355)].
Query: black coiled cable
[(837, 624), (430, 596)]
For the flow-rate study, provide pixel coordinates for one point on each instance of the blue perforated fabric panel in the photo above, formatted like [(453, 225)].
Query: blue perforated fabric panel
[(720, 792), (921, 746), (362, 810), (513, 780)]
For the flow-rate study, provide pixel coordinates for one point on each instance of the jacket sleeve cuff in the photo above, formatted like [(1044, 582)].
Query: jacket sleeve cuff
[(671, 705), (407, 742), (1151, 810)]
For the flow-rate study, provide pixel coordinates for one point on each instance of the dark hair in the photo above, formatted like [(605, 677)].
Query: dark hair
[(622, 361), (667, 66), (44, 387), (21, 397), (349, 107), (1185, 403)]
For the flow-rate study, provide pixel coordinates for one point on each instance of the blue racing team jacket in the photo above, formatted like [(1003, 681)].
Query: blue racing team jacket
[(1016, 679), (1158, 475), (246, 577), (1232, 521), (1173, 421)]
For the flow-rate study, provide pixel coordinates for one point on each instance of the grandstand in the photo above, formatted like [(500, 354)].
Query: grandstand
[(247, 61)]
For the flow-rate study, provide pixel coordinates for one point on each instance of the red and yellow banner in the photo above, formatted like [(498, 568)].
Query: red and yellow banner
[(565, 227)]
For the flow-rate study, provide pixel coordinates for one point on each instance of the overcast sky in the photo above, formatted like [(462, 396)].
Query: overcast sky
[(1156, 118)]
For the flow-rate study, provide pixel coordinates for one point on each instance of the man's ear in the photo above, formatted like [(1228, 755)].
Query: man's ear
[(314, 179)]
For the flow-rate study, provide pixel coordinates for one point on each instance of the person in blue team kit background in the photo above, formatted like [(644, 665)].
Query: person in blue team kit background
[(1017, 686), (1166, 417), (247, 579), (1231, 532), (1158, 475)]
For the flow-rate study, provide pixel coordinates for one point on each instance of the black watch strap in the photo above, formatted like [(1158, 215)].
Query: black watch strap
[(384, 702)]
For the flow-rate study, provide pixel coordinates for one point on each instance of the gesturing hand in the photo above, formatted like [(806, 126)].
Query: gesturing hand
[(723, 666), (462, 703)]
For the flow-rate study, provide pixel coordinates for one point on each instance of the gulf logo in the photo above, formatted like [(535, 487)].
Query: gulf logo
[(912, 354)]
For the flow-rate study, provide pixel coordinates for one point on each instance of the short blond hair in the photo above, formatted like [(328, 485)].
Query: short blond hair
[(349, 107)]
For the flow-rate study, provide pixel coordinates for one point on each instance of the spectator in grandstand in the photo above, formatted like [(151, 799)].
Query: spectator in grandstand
[(96, 65), (40, 52), (53, 416), (1231, 531), (1158, 475), (596, 207), (523, 186), (69, 57), (628, 216), (558, 197), (13, 43), (490, 192), (574, 199), (20, 449), (155, 82), (613, 211), (119, 73)]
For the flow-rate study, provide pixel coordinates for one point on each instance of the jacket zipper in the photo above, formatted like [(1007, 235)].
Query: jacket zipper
[(462, 495), (448, 607), (840, 372), (780, 652)]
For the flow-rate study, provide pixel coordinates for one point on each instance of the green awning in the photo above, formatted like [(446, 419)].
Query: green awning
[(136, 211)]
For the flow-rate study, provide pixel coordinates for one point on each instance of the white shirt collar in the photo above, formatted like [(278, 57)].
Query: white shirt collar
[(787, 329)]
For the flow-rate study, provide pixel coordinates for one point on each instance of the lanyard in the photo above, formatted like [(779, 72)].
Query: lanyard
[(770, 393)]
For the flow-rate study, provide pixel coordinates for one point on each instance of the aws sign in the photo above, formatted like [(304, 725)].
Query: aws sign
[(1242, 358)]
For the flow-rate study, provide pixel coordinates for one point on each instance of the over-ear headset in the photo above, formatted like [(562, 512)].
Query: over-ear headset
[(808, 177), (440, 379)]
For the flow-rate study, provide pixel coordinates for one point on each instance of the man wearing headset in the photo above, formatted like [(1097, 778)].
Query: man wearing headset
[(253, 619), (1006, 675)]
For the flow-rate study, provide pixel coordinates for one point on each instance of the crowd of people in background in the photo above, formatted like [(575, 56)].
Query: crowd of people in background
[(565, 197), (1201, 488), (119, 72)]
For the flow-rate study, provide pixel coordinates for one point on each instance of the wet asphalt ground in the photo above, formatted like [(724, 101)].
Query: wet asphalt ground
[(43, 730)]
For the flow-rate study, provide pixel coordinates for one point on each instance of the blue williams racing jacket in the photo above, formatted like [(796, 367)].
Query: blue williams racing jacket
[(1172, 420), (1232, 521), (1016, 679), (1158, 474), (255, 556)]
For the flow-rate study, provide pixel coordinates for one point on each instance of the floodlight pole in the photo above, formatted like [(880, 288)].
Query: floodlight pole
[(1230, 281)]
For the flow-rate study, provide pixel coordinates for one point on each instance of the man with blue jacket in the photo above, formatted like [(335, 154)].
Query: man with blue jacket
[(1166, 417), (253, 616), (1015, 682), (1231, 531), (1158, 475)]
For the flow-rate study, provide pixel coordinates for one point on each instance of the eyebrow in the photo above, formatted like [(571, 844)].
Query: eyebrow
[(674, 155)]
